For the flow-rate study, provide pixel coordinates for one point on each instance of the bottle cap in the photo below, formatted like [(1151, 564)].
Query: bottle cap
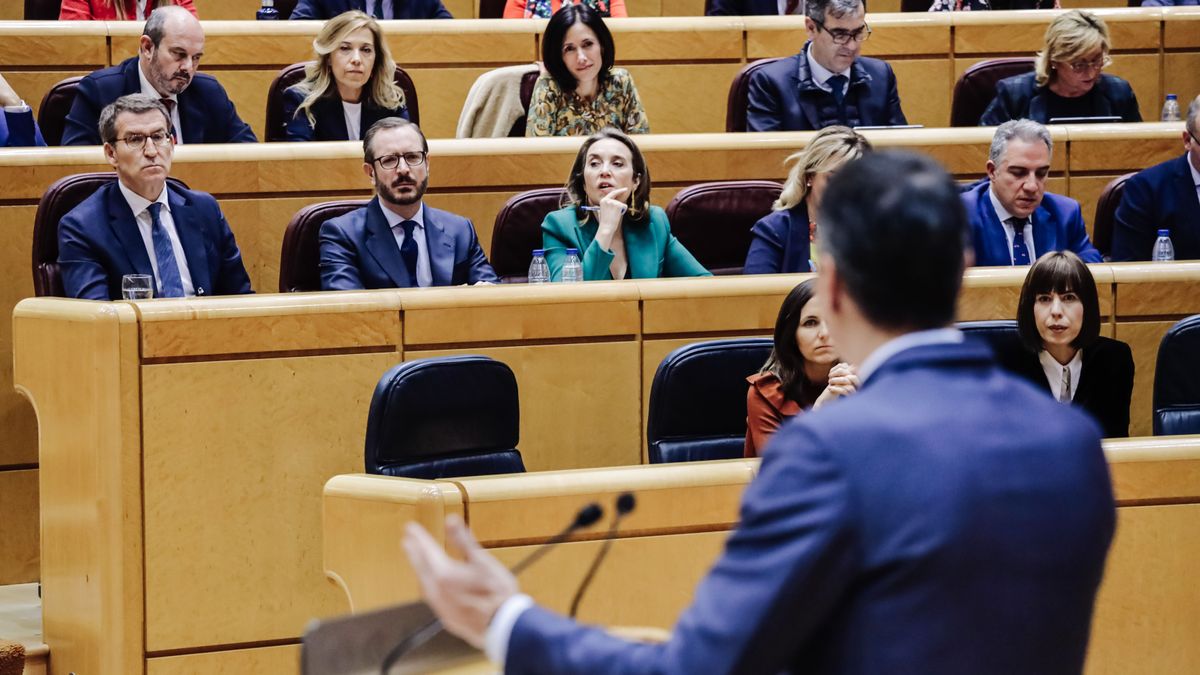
[(1171, 97), (1164, 233), (572, 251), (537, 252)]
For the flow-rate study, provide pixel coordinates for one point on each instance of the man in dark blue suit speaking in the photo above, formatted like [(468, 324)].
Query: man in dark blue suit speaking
[(827, 82), (396, 241), (1013, 219), (947, 518), (380, 9), (1164, 197), (168, 57), (140, 225)]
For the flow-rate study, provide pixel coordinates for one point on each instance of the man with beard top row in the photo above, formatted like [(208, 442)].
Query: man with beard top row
[(396, 241), (168, 57)]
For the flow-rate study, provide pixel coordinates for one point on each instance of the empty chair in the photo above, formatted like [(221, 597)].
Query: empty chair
[(57, 201), (698, 400), (1106, 211), (52, 113), (713, 220), (1002, 337), (739, 94), (442, 417), (300, 255), (277, 126), (518, 231), (977, 87), (1177, 380)]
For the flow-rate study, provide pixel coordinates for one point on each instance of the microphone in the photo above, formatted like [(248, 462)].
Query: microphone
[(585, 517), (625, 505)]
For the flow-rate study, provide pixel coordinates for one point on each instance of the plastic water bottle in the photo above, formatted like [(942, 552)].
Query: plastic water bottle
[(539, 271), (1164, 250), (1170, 112), (267, 12), (572, 270)]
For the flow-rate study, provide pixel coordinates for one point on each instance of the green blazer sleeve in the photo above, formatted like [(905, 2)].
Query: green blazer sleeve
[(652, 251), (561, 231)]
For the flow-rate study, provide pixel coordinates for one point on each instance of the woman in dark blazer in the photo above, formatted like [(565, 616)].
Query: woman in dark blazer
[(782, 241), (348, 88), (1058, 318), (1068, 78)]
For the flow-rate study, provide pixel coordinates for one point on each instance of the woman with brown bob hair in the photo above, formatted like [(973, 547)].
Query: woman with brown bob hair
[(1058, 318), (608, 218)]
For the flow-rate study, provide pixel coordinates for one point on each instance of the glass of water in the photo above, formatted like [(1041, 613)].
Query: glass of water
[(137, 287)]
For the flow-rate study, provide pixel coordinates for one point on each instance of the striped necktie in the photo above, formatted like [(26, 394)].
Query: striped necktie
[(1064, 392), (1020, 253), (164, 253)]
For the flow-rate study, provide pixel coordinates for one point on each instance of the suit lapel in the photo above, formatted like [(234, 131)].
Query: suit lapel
[(803, 84), (192, 239), (1187, 195), (191, 117), (331, 120), (1083, 391), (381, 244), (440, 247), (1037, 106), (798, 242), (1045, 233), (124, 227), (995, 243)]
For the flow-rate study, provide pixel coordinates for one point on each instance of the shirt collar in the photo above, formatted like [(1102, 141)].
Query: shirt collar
[(1192, 168), (821, 74), (1001, 212), (138, 203), (394, 219), (1049, 362), (921, 338), (148, 89)]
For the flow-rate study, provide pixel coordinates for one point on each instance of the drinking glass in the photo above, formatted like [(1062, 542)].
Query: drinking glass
[(137, 287)]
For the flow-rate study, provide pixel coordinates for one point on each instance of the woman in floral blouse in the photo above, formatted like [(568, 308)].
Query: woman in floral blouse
[(581, 92)]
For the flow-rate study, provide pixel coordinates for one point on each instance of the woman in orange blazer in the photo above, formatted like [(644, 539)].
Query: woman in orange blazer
[(802, 372), (542, 9)]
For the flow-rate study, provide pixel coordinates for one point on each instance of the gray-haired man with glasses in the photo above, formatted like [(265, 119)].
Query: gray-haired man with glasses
[(139, 224), (828, 82), (396, 241)]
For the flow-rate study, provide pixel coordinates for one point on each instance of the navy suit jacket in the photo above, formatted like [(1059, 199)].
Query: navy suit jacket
[(1057, 226), (743, 8), (1161, 197), (205, 111), (1105, 383), (330, 117), (779, 243), (99, 242), (782, 95), (18, 130), (404, 9), (1019, 97), (358, 250), (904, 529)]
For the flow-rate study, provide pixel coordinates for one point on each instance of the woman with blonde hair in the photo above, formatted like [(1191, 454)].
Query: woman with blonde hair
[(348, 88), (116, 10), (782, 241), (1068, 78)]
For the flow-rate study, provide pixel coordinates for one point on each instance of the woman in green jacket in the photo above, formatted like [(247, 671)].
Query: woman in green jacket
[(609, 219)]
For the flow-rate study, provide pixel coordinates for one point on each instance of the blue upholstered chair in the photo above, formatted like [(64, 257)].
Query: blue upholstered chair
[(1177, 380)]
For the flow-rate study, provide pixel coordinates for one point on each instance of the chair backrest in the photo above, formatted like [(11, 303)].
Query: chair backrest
[(518, 231), (448, 416), (1177, 380), (1106, 212), (491, 9), (527, 81), (915, 5), (739, 94), (713, 220), (284, 7), (42, 10), (1002, 337), (977, 87), (300, 255), (57, 201), (52, 114), (698, 400), (276, 129)]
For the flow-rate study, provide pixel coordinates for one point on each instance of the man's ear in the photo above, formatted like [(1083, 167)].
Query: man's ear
[(110, 154), (991, 170), (145, 45), (369, 171)]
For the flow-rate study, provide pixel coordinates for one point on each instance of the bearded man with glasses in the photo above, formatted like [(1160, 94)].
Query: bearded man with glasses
[(396, 241), (139, 224), (828, 82)]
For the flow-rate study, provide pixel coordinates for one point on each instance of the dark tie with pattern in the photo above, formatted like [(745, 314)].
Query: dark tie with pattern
[(1020, 254), (378, 11), (837, 86), (164, 253), (170, 104), (408, 250)]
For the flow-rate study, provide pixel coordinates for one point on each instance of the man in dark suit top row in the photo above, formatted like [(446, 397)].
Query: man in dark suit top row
[(827, 82), (921, 525), (1164, 197), (380, 9), (396, 241), (165, 67), (139, 224), (1013, 219)]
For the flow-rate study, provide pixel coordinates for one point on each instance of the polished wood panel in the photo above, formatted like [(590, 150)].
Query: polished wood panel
[(18, 526), (1181, 76), (1143, 338), (283, 659), (17, 424), (50, 43), (678, 98)]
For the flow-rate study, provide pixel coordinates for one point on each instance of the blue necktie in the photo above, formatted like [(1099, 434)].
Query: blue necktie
[(1020, 254), (408, 249), (168, 269), (837, 85), (378, 11)]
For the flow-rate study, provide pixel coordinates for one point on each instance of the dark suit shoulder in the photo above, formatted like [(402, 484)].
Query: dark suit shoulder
[(446, 218), (1160, 174), (780, 70), (874, 67)]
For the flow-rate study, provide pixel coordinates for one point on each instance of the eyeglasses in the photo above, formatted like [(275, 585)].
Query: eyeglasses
[(390, 162), (137, 141), (841, 37), (1088, 66)]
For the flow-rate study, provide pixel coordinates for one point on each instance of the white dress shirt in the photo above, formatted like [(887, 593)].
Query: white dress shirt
[(821, 74), (1009, 232), (139, 206), (149, 90), (388, 11), (1054, 372), (353, 114), (424, 273)]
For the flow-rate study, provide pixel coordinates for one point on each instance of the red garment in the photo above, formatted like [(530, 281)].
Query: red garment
[(515, 9), (99, 10), (766, 408)]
